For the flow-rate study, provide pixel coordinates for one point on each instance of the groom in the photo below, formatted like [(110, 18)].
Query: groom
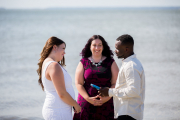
[(129, 91)]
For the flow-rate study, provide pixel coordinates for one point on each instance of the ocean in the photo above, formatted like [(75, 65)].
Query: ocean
[(23, 33)]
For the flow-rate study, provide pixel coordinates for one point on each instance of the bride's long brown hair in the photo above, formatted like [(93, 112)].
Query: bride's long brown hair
[(45, 53)]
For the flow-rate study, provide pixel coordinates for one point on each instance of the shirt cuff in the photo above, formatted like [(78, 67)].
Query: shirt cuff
[(110, 92)]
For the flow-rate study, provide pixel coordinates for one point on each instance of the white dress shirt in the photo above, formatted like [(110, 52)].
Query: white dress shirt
[(129, 92)]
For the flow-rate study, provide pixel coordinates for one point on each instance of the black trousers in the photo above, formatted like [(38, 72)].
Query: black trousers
[(125, 117)]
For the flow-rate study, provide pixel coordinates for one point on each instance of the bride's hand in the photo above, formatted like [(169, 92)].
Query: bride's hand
[(77, 108)]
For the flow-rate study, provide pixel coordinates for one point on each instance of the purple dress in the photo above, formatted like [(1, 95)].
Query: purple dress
[(100, 76)]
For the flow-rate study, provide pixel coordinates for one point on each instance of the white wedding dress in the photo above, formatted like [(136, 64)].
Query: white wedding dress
[(54, 108)]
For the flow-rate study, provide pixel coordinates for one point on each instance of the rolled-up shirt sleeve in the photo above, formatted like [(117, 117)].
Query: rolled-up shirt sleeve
[(133, 84)]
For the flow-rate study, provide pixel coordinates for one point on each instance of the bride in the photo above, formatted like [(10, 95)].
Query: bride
[(56, 82)]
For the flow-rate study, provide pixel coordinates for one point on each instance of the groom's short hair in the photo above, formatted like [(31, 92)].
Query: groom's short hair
[(126, 40)]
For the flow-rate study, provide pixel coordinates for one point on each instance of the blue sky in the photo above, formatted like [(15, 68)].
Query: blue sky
[(41, 4)]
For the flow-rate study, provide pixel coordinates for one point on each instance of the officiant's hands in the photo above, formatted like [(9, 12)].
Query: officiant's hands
[(104, 99), (94, 100), (98, 100)]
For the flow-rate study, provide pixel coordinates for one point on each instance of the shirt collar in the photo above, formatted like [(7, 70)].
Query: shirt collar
[(128, 59)]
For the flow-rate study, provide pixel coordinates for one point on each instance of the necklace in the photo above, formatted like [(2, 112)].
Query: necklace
[(96, 64)]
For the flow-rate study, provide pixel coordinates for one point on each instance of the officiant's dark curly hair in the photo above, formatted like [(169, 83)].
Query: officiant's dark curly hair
[(86, 52)]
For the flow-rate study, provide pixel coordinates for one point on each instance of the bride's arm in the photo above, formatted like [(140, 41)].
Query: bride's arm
[(57, 77)]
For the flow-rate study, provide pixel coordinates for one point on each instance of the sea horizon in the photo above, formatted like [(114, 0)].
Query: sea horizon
[(125, 8)]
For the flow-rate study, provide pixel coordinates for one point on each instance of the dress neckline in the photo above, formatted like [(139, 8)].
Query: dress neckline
[(102, 60), (47, 63)]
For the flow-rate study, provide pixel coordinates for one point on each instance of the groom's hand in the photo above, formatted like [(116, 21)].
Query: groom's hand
[(103, 91)]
